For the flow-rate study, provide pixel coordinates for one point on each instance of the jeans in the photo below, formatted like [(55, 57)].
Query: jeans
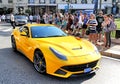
[(108, 39), (13, 24)]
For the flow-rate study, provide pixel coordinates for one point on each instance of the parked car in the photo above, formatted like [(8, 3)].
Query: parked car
[(7, 18), (34, 18), (21, 19), (54, 52)]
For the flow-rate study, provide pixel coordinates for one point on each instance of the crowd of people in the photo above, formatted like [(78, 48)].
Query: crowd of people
[(78, 24), (95, 26)]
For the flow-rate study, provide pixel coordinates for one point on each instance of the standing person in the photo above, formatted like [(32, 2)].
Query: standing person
[(50, 16), (12, 20), (107, 33), (113, 20), (3, 18), (75, 24), (69, 23), (31, 18), (92, 23), (84, 27), (80, 22), (99, 19), (64, 24), (38, 18), (43, 18), (0, 18), (56, 20)]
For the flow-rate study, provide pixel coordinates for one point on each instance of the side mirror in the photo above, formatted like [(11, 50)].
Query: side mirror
[(23, 33)]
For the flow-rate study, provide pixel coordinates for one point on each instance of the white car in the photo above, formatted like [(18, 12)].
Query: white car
[(21, 19)]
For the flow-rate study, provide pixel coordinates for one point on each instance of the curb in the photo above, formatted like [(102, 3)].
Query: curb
[(115, 41), (110, 54)]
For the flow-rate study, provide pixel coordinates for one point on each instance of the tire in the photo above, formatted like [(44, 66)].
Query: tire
[(13, 42), (39, 62)]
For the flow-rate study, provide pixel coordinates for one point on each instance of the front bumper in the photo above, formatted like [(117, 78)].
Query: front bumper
[(67, 71), (74, 66)]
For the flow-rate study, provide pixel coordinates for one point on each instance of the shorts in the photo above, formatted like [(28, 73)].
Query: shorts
[(84, 26), (79, 25), (93, 31), (98, 30)]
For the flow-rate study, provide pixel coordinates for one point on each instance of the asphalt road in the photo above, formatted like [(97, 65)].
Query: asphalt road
[(15, 68)]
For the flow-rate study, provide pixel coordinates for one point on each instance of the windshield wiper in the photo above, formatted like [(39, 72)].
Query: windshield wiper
[(56, 36)]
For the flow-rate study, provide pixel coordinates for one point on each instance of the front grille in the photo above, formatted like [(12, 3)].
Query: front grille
[(21, 21), (81, 67)]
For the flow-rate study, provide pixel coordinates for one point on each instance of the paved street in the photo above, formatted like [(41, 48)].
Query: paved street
[(17, 69)]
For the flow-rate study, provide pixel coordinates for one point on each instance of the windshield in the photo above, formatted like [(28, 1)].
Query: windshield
[(46, 31), (20, 17)]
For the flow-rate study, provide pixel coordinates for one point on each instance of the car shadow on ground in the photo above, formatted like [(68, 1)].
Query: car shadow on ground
[(27, 67)]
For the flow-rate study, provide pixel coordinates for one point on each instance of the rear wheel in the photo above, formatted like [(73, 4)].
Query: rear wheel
[(39, 62), (13, 43)]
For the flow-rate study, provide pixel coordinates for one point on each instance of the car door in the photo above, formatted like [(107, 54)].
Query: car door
[(26, 41)]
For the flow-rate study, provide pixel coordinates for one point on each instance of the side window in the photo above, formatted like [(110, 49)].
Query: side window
[(21, 28), (26, 29)]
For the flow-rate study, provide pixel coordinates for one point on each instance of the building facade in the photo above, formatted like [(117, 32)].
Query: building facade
[(41, 6), (6, 6)]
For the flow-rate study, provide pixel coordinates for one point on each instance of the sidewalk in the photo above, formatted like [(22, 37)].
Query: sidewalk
[(113, 51)]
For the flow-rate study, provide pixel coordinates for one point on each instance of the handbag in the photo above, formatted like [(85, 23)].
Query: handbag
[(112, 26), (87, 31)]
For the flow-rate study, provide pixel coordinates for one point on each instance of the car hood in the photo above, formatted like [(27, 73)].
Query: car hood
[(21, 20), (68, 45)]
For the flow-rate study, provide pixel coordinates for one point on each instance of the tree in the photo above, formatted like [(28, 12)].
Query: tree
[(28, 11)]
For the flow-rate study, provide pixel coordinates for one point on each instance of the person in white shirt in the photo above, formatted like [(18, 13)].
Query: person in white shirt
[(3, 18), (38, 18), (31, 19), (0, 18), (12, 20), (80, 22), (81, 17)]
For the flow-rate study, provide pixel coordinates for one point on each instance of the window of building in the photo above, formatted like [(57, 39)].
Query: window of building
[(42, 1), (93, 1), (73, 1), (0, 1), (52, 1), (31, 1), (10, 1), (19, 0), (113, 1), (84, 1)]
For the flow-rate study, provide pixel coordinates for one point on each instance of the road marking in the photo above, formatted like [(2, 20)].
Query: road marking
[(111, 58), (6, 30)]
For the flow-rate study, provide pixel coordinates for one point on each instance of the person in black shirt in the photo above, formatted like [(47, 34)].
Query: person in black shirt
[(99, 19)]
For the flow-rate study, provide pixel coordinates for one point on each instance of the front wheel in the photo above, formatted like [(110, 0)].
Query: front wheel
[(13, 43), (39, 62)]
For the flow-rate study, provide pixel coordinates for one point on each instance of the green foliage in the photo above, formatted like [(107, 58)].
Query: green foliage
[(28, 11), (117, 21)]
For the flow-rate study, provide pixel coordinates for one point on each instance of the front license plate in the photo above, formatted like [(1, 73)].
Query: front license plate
[(87, 70)]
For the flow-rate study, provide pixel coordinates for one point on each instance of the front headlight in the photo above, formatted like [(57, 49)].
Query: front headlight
[(58, 54)]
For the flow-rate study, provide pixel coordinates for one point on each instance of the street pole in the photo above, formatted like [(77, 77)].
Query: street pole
[(95, 6), (68, 3), (100, 5)]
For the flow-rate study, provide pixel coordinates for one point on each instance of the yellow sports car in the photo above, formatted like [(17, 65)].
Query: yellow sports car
[(54, 52)]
